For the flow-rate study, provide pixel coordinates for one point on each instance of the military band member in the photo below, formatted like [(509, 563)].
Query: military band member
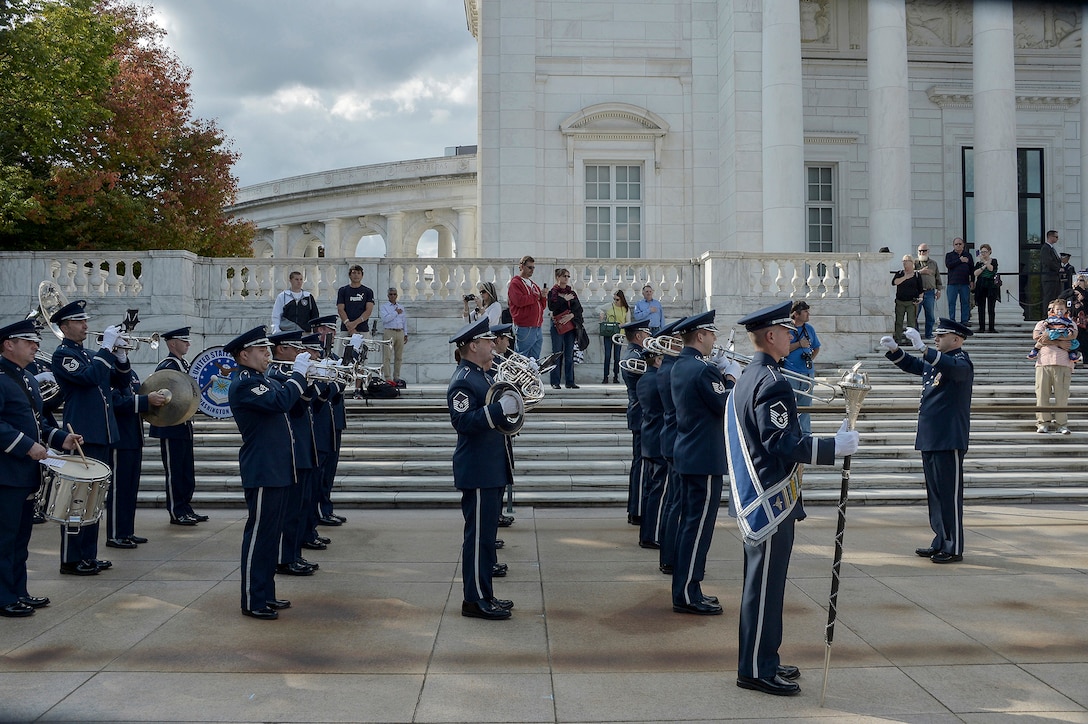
[(636, 333), (765, 447), (285, 347), (325, 327), (944, 426), (86, 382), (43, 373), (128, 455), (24, 439), (176, 441), (325, 439), (700, 387), (504, 347), (653, 461), (266, 462), (480, 469), (670, 500)]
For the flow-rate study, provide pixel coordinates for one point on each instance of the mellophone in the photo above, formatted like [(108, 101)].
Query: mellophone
[(73, 491)]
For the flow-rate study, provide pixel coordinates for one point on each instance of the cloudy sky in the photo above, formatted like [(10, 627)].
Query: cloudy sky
[(302, 86)]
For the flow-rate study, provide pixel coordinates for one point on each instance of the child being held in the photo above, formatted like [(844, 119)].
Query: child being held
[(1059, 326)]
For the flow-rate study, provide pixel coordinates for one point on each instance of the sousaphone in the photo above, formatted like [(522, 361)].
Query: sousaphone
[(182, 397)]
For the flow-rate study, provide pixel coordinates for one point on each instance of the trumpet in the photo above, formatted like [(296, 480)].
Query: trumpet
[(369, 342), (809, 385), (131, 342), (320, 371)]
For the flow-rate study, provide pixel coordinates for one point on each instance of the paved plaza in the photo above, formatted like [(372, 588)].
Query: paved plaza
[(377, 635)]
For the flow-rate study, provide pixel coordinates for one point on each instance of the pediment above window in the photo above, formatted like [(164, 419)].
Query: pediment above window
[(614, 122)]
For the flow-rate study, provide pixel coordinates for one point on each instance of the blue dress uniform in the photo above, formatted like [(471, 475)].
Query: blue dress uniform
[(266, 462), (653, 462), (325, 514), (86, 382), (35, 368), (297, 506), (176, 447), (670, 500), (21, 426), (127, 457), (326, 438), (480, 472), (634, 424), (766, 444), (699, 392), (944, 426)]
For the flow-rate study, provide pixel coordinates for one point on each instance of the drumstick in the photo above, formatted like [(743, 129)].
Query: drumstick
[(79, 449)]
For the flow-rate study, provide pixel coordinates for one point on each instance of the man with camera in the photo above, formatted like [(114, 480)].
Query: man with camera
[(804, 346)]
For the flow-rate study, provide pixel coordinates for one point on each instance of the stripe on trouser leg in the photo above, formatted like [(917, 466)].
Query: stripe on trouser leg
[(168, 464), (248, 583), (476, 545), (111, 522), (765, 573), (957, 507), (698, 537)]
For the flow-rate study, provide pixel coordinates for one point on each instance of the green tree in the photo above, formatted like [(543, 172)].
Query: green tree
[(142, 174)]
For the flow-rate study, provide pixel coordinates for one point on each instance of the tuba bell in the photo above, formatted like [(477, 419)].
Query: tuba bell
[(507, 424)]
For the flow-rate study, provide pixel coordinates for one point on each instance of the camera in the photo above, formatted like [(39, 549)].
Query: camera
[(469, 297), (807, 357)]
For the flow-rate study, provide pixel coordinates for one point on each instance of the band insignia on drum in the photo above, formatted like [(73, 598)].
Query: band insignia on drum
[(780, 415), (71, 364), (260, 390), (719, 387), (460, 402)]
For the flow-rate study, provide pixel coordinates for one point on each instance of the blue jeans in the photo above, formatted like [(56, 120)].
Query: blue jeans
[(962, 294), (564, 343), (929, 307), (530, 341), (612, 354)]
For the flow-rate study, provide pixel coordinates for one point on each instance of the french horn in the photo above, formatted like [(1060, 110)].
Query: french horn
[(507, 424), (521, 372)]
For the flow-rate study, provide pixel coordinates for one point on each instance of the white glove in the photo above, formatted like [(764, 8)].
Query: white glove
[(121, 355), (357, 341), (46, 376), (731, 368), (508, 403), (110, 336), (888, 343), (846, 441), (915, 339), (302, 364)]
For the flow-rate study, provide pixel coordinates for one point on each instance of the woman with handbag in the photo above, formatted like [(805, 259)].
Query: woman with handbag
[(987, 285), (613, 315), (566, 320)]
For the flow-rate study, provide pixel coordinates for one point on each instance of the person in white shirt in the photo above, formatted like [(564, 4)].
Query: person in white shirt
[(395, 329), (486, 304), (294, 308)]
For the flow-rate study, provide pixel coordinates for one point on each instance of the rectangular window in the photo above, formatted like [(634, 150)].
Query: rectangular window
[(613, 212), (820, 207)]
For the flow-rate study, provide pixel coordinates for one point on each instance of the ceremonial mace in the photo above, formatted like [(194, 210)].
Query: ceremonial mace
[(855, 385)]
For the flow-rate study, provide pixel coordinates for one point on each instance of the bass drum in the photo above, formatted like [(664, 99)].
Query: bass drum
[(213, 369), (73, 493)]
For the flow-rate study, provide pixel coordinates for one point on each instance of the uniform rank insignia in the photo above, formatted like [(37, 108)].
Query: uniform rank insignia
[(719, 387), (460, 402), (780, 415), (260, 390), (70, 363)]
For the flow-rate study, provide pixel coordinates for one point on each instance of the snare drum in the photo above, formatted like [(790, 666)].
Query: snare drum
[(75, 494)]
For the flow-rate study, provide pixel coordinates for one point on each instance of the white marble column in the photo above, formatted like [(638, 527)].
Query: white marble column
[(889, 128), (279, 240), (445, 243), (995, 131), (467, 247), (1079, 260), (783, 129), (394, 235), (334, 233)]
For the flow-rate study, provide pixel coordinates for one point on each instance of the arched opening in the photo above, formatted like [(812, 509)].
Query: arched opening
[(371, 245), (427, 246)]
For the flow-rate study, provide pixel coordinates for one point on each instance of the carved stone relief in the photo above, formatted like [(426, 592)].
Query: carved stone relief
[(938, 23), (948, 24), (816, 21), (1046, 26)]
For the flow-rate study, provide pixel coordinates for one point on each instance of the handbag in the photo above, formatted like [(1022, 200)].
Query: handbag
[(609, 328), (582, 337), (563, 327)]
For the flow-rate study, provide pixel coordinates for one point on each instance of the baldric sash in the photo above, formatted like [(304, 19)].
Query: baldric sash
[(760, 507)]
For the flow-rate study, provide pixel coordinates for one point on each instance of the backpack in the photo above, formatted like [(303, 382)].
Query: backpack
[(379, 389)]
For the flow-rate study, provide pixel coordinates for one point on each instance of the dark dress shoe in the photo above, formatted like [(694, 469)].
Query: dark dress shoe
[(340, 518), (329, 520), (505, 521), (34, 601), (313, 545), (137, 539), (21, 610), (666, 569), (573, 387), (926, 552), (712, 600), (102, 565), (699, 608), (119, 543), (38, 518), (483, 609), (324, 539), (775, 685), (294, 569), (605, 380), (199, 518), (946, 558), (634, 519), (789, 673), (557, 387), (265, 614), (615, 380), (501, 603), (79, 568), (499, 543), (498, 570), (278, 604), (649, 544), (304, 562), (183, 520)]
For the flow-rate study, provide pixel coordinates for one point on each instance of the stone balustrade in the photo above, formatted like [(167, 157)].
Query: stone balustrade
[(220, 298)]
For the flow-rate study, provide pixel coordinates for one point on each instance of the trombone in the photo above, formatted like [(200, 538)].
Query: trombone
[(809, 384)]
